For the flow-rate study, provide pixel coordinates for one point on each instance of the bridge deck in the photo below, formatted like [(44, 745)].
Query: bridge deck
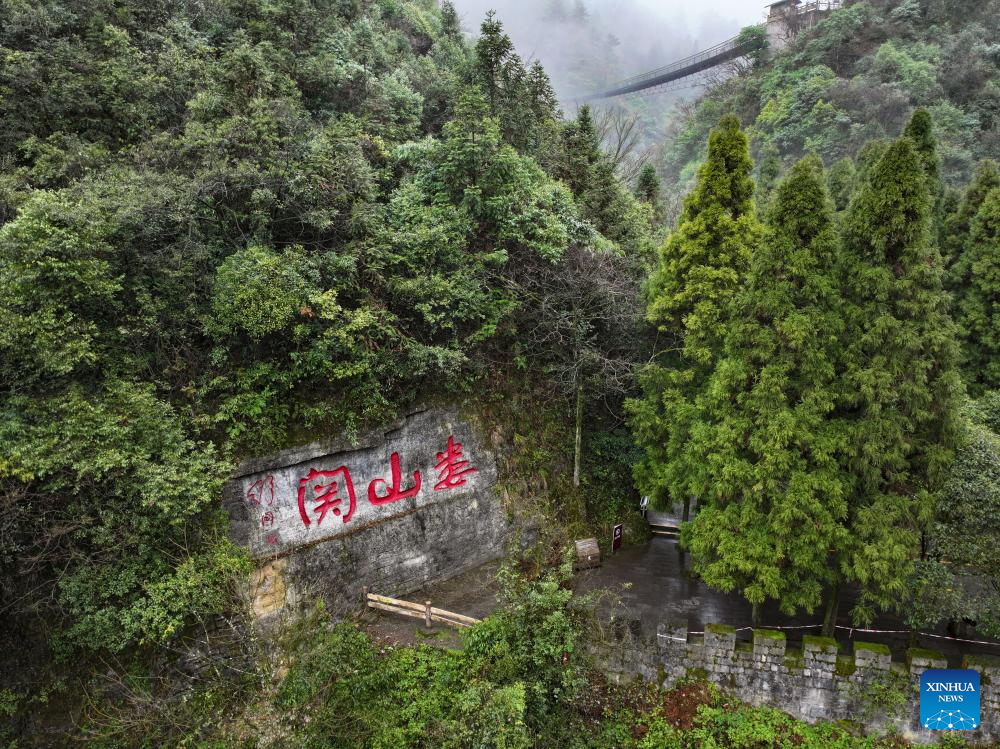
[(731, 49)]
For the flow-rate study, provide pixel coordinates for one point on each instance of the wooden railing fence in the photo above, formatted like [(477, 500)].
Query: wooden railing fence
[(423, 611)]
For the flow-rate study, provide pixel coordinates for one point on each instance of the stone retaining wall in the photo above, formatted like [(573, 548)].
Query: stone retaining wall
[(816, 682)]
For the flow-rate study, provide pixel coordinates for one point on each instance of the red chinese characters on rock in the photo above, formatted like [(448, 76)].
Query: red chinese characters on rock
[(261, 491), (451, 467), (321, 492), (394, 493), (318, 487), (260, 494)]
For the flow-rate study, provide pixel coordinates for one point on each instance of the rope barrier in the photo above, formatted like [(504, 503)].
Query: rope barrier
[(852, 630)]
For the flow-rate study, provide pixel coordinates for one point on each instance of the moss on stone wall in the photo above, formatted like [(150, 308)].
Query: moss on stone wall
[(794, 659), (872, 647), (771, 634), (845, 666), (923, 654), (720, 629), (821, 643)]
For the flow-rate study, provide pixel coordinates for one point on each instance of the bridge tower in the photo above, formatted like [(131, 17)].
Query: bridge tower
[(786, 18)]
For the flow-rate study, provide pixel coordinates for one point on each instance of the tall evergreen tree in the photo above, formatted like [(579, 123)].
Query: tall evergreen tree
[(920, 130), (900, 381), (544, 102), (521, 99), (494, 52), (777, 497), (451, 26), (580, 151), (702, 262), (958, 224), (648, 185), (979, 307), (700, 266)]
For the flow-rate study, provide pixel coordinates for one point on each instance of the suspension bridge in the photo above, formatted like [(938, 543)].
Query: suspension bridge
[(785, 18)]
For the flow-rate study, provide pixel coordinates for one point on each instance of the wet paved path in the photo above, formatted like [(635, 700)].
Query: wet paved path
[(662, 590)]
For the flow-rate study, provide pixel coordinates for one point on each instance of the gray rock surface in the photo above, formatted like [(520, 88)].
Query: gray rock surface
[(327, 519)]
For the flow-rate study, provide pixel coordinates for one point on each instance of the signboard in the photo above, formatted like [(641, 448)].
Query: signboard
[(616, 537), (949, 698)]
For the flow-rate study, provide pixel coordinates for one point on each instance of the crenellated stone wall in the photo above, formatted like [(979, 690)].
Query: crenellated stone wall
[(817, 682)]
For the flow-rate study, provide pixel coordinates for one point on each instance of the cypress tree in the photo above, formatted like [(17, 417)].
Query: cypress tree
[(700, 266), (840, 180), (648, 185), (703, 260), (900, 380), (958, 224), (450, 24), (777, 497), (580, 151), (920, 130), (979, 307)]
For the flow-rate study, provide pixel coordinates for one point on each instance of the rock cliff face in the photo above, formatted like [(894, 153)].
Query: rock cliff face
[(400, 508)]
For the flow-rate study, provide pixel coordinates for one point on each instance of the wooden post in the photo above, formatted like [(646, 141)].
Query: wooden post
[(427, 614), (365, 589)]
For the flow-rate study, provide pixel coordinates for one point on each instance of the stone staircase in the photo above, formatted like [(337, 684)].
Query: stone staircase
[(663, 524)]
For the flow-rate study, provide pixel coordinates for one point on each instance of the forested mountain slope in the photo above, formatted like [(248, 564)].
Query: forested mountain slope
[(232, 226), (856, 211), (226, 227), (857, 76)]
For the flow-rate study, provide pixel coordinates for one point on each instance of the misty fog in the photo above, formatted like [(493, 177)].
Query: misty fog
[(583, 43)]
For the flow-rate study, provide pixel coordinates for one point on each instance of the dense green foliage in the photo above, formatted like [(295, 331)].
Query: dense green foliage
[(960, 578), (700, 265), (230, 227), (496, 692), (856, 77), (978, 303), (900, 371), (777, 495), (519, 682), (817, 425), (886, 423), (227, 227)]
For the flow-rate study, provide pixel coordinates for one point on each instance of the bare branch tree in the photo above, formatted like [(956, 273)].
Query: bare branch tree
[(581, 317), (620, 135)]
